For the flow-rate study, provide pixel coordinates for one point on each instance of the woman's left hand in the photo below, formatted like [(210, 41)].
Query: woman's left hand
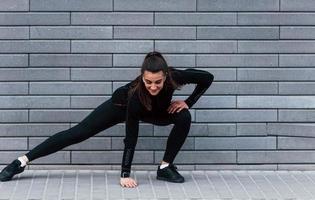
[(177, 106)]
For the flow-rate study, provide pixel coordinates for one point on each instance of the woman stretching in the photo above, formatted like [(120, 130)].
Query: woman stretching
[(147, 98)]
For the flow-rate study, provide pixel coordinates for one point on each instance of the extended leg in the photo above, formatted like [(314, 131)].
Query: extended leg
[(104, 116), (101, 118)]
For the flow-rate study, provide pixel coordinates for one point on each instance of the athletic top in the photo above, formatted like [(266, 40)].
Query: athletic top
[(160, 102)]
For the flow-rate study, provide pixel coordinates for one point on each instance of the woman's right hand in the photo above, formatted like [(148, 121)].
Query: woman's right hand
[(128, 182)]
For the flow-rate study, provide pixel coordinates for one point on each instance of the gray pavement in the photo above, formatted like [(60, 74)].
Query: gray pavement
[(204, 184)]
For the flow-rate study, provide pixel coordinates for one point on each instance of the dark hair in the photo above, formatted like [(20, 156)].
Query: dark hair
[(153, 62)]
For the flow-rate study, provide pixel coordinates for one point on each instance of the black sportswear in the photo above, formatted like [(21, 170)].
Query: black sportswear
[(117, 110)]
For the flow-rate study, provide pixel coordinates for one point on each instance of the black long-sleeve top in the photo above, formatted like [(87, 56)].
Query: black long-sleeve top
[(136, 111)]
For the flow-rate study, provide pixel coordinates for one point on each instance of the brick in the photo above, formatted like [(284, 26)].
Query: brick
[(34, 46), (196, 46), (47, 74), (34, 74), (276, 157), (69, 88), (59, 115), (276, 47), (14, 32), (104, 75), (243, 88), (13, 116), (93, 143), (296, 115), (297, 60), (13, 143), (252, 129), (291, 129), (297, 33), (203, 157), (193, 115), (283, 74), (34, 102), (162, 32), (276, 18), (151, 5), (71, 32), (117, 84), (113, 46), (9, 88), (245, 33), (295, 167), (113, 157), (33, 18), (238, 5), (296, 88), (230, 115), (31, 129), (221, 143), (71, 5), (302, 5), (150, 143), (6, 157), (200, 129), (14, 60), (239, 60), (14, 5), (275, 102), (295, 143), (87, 101), (70, 60), (195, 19), (111, 18), (214, 102), (174, 60)]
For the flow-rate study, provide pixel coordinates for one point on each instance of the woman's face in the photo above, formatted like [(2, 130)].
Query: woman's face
[(153, 81)]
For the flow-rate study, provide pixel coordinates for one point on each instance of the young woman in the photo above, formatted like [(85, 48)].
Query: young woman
[(147, 98)]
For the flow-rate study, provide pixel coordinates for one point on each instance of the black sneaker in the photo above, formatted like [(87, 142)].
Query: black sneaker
[(169, 174), (10, 170)]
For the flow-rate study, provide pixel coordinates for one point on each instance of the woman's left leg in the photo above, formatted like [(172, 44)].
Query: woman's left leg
[(178, 134), (175, 141)]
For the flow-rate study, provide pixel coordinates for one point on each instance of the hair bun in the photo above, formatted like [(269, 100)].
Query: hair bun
[(153, 53)]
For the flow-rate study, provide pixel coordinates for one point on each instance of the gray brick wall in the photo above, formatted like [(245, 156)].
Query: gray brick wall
[(61, 59)]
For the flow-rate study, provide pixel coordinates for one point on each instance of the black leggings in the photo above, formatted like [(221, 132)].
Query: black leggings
[(105, 116)]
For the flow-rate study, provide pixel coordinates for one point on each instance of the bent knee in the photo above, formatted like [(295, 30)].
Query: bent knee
[(183, 116)]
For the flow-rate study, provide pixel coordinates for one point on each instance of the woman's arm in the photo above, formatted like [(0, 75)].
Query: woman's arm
[(131, 137), (202, 78)]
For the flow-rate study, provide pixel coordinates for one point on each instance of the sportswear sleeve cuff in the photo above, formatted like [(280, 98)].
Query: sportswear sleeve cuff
[(124, 174), (188, 102)]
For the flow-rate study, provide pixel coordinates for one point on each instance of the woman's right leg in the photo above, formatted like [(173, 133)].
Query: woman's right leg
[(104, 116)]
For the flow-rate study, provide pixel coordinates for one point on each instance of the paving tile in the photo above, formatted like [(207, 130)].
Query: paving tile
[(95, 184)]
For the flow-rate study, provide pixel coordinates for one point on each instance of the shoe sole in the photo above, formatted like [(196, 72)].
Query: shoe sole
[(6, 179), (9, 178), (165, 179)]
